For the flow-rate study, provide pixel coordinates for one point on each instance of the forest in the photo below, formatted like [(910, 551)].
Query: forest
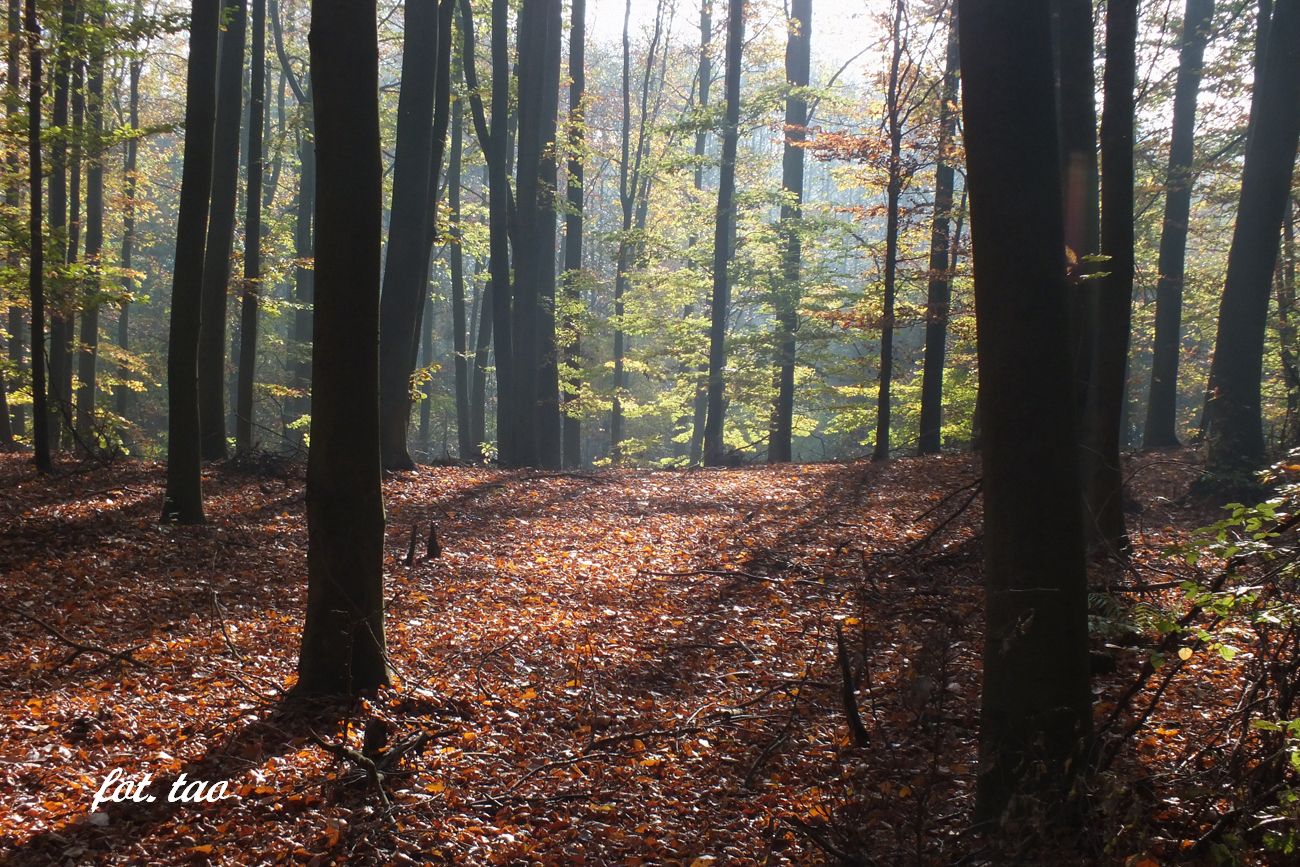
[(638, 432)]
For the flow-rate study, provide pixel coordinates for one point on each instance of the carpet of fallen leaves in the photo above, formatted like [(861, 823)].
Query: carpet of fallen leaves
[(618, 667)]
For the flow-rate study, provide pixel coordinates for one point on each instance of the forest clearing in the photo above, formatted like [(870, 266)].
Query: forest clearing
[(626, 667)]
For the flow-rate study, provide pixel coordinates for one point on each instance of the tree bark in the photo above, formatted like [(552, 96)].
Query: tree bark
[(575, 191), (714, 443), (36, 258), (1162, 410), (122, 394), (244, 407), (94, 236), (1036, 706), (183, 500), (456, 262), (60, 359), (405, 274), (797, 56), (939, 289), (894, 191), (221, 233), (1234, 429), (343, 651), (704, 77)]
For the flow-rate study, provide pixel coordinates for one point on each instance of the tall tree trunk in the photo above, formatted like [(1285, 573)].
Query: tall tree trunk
[(60, 360), (704, 77), (939, 291), (122, 394), (221, 233), (183, 501), (1036, 706), (724, 232), (94, 235), (1076, 91), (1103, 477), (36, 258), (478, 385), (1288, 334), (533, 326), (244, 407), (405, 274), (343, 648), (1162, 408), (1234, 429), (575, 192), (797, 55), (894, 191), (456, 261), (426, 359), (13, 104)]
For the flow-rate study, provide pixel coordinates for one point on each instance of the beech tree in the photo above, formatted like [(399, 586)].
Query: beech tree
[(798, 53), (183, 500), (1233, 427), (221, 232), (571, 433), (89, 349), (1035, 710), (724, 239), (252, 235), (36, 257), (343, 650), (1162, 404)]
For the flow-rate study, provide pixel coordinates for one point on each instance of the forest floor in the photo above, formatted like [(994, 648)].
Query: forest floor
[(616, 667)]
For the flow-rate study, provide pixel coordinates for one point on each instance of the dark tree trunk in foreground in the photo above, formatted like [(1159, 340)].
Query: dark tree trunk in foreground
[(714, 445), (798, 48), (36, 259), (405, 274), (252, 236), (94, 239), (704, 77), (939, 291), (572, 430), (122, 394), (184, 498), (1036, 707), (1234, 429), (533, 324), (1162, 407), (1113, 311), (221, 233), (343, 639), (497, 154)]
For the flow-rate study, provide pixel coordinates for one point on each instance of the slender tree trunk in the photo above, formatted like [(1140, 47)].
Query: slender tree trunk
[(797, 55), (939, 290), (1036, 706), (221, 233), (60, 360), (343, 649), (36, 258), (426, 405), (405, 277), (183, 501), (13, 105), (572, 430), (714, 429), (704, 77), (244, 407), (1103, 477), (1288, 334), (478, 387), (894, 126), (497, 155), (122, 394), (94, 237), (1234, 429), (456, 262), (1162, 408)]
